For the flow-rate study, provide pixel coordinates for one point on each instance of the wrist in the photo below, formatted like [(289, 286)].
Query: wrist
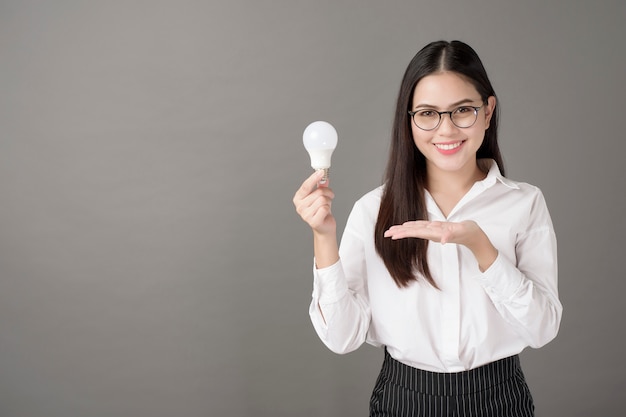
[(326, 249), (484, 252)]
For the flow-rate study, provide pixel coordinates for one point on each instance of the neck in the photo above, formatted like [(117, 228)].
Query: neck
[(460, 181)]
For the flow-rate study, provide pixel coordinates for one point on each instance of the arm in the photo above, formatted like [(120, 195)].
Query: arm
[(313, 203), (523, 284), (338, 309), (524, 290)]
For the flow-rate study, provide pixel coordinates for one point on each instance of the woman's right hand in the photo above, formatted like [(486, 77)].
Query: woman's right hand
[(313, 202)]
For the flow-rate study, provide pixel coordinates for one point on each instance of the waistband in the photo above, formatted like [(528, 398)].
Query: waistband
[(455, 383)]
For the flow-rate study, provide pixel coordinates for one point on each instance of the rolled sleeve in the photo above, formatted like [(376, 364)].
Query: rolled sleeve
[(329, 284), (502, 280)]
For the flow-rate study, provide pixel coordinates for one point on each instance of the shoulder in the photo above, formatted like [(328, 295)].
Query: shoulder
[(372, 198), (370, 202), (527, 202), (366, 207), (519, 188), (524, 200), (522, 190), (523, 187)]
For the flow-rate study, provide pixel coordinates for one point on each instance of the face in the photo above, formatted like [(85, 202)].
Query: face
[(448, 147)]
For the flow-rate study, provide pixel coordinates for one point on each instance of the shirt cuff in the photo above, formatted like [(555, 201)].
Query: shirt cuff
[(502, 279), (329, 283)]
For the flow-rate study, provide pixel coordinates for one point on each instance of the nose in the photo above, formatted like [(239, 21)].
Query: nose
[(446, 126)]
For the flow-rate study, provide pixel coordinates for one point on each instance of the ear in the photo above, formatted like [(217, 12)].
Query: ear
[(490, 107)]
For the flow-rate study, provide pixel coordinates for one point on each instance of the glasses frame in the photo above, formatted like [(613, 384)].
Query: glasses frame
[(449, 113)]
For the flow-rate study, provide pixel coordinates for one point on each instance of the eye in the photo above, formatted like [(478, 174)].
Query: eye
[(464, 110), (426, 113)]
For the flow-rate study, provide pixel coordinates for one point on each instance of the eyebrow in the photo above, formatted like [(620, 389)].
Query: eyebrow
[(458, 103)]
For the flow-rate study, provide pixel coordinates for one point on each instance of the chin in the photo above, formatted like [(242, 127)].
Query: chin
[(449, 164)]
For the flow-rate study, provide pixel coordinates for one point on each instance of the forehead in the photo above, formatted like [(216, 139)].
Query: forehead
[(443, 89)]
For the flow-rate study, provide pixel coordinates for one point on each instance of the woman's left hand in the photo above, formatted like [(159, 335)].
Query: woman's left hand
[(466, 233), (443, 232)]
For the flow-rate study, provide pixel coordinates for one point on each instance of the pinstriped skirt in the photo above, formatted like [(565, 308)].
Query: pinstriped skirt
[(497, 389)]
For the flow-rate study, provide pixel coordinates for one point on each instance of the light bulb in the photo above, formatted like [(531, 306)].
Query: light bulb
[(320, 140)]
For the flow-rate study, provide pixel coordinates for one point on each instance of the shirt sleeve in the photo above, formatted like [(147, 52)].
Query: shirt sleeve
[(524, 290), (339, 307)]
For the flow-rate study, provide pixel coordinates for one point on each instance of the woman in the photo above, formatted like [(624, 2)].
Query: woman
[(449, 265)]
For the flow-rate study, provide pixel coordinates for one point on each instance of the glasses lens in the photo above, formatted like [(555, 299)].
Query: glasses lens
[(426, 119), (464, 116)]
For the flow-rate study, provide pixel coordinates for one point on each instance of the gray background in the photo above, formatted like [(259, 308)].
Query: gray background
[(151, 262)]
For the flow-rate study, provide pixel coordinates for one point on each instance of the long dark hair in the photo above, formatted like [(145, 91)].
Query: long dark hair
[(403, 197)]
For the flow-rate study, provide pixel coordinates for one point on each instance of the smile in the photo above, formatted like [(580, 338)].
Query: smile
[(448, 146)]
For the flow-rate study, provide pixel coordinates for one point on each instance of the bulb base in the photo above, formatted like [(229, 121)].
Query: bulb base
[(324, 179)]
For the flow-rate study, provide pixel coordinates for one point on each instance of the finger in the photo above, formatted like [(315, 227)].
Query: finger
[(314, 202), (397, 231), (308, 185), (320, 193), (393, 231), (400, 232), (316, 213), (423, 231), (321, 201), (320, 215), (416, 223), (323, 183)]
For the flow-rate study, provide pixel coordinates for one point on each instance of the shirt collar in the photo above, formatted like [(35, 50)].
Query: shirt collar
[(494, 175)]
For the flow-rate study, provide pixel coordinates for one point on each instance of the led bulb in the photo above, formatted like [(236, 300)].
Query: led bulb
[(320, 140)]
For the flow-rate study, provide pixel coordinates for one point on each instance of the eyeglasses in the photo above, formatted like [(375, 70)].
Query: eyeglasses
[(429, 119)]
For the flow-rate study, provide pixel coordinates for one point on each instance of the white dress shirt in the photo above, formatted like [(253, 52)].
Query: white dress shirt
[(475, 317)]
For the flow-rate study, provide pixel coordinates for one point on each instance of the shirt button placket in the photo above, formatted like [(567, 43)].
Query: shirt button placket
[(451, 320)]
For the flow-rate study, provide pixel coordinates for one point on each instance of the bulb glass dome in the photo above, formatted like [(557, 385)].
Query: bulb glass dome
[(320, 140)]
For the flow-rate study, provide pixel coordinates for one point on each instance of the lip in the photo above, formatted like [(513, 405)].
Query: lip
[(449, 148)]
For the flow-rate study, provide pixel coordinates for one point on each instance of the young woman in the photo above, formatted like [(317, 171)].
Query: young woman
[(450, 266)]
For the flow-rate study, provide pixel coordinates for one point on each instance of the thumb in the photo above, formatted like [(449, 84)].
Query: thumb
[(322, 177)]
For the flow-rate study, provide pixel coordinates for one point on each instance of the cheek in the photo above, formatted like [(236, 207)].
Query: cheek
[(477, 136), (421, 140), (418, 135)]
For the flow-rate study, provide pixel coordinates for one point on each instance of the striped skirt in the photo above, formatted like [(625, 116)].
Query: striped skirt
[(497, 389)]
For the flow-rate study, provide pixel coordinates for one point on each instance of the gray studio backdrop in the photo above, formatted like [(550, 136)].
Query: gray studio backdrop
[(151, 262)]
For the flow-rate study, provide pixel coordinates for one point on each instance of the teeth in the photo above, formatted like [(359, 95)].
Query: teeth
[(447, 146)]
